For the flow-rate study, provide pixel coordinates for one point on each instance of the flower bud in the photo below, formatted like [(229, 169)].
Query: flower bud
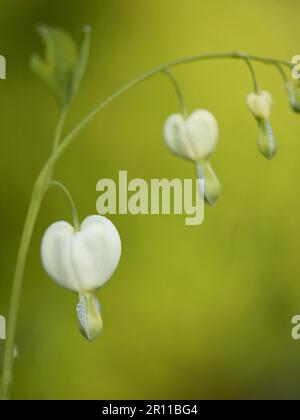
[(292, 90), (267, 144), (260, 104), (82, 262), (194, 138), (89, 316), (212, 185)]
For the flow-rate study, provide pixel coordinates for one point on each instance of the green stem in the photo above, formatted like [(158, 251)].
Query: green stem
[(35, 203), (282, 73), (59, 128), (201, 57), (39, 191), (44, 180), (179, 93), (252, 71), (75, 214)]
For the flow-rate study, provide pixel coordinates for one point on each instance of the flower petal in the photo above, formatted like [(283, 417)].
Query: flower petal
[(176, 137), (212, 185), (260, 104), (96, 252), (89, 316), (81, 261), (56, 255), (203, 132)]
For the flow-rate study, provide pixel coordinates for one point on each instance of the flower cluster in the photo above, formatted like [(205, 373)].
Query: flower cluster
[(195, 137), (83, 258)]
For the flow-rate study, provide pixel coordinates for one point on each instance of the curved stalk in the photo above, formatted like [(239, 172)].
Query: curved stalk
[(179, 93), (59, 128), (282, 73), (253, 75), (34, 207), (39, 191), (135, 82), (75, 214)]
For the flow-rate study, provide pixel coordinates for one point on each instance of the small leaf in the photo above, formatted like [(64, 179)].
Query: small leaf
[(82, 61), (63, 66)]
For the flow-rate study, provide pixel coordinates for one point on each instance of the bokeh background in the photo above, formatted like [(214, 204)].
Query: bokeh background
[(192, 312)]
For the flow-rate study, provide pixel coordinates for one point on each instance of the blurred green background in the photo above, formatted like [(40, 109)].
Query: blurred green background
[(192, 312)]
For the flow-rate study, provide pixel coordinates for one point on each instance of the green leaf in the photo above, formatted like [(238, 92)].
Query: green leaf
[(84, 53), (63, 67)]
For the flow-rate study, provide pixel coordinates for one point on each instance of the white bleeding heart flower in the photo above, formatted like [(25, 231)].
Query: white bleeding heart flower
[(82, 261), (195, 138), (260, 105)]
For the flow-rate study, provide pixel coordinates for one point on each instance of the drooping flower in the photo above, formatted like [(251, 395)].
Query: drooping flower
[(83, 261), (195, 138), (260, 105)]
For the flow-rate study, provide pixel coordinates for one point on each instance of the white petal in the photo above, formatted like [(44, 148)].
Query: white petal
[(195, 138), (81, 261), (56, 256), (96, 252), (260, 104), (176, 137), (202, 131)]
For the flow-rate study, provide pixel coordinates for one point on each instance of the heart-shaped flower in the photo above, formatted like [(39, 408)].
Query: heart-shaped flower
[(195, 138), (82, 262), (260, 105)]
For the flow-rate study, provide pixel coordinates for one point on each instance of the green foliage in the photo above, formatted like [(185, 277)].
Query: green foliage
[(64, 64)]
